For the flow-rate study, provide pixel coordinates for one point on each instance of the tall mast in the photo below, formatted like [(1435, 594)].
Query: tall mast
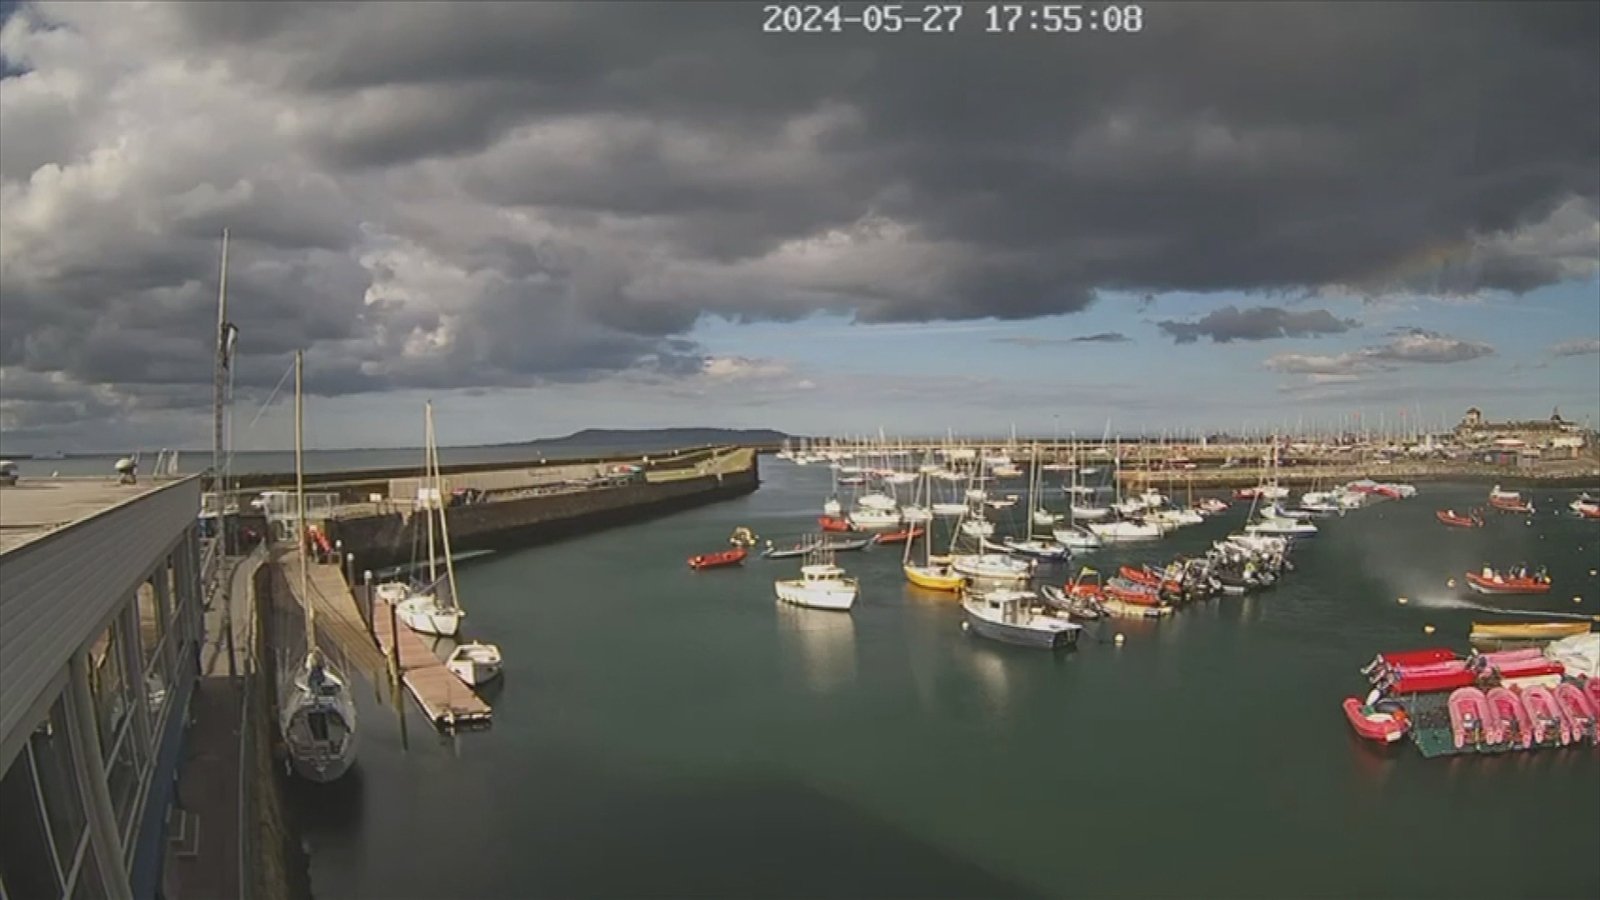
[(300, 508), (219, 396), (430, 486), (444, 526)]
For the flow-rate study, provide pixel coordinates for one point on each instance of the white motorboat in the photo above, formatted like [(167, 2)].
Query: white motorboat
[(475, 663), (1124, 531), (1289, 528), (875, 518), (1010, 617), (820, 586)]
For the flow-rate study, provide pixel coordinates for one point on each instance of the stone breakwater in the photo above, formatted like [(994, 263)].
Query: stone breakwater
[(382, 535)]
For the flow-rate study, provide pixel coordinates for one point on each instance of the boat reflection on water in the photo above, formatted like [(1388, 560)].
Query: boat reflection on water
[(824, 641), (988, 664)]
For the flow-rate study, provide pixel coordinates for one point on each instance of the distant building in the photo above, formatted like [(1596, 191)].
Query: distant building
[(1473, 423)]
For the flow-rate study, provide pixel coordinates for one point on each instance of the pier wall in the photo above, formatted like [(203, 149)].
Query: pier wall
[(385, 539), (1585, 476)]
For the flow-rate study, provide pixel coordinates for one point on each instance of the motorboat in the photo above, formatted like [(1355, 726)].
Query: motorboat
[(865, 518), (474, 662), (1473, 518), (730, 557), (1124, 531), (847, 543), (1384, 722), (1132, 592), (1510, 501), (1009, 617), (1489, 581), (821, 585), (1288, 528)]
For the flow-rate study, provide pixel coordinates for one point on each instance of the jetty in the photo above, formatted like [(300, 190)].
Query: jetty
[(447, 701), (373, 649)]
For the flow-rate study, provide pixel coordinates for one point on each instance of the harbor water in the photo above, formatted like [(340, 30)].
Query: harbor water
[(662, 732)]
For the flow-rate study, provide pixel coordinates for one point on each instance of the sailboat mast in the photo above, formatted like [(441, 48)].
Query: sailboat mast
[(444, 525), (300, 507), (219, 398), (430, 486)]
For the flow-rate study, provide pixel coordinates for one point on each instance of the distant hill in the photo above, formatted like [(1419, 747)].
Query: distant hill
[(662, 437)]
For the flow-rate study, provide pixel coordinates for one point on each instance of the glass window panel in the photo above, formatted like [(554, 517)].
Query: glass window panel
[(89, 886), (52, 758), (122, 777), (152, 624), (108, 684), (26, 865)]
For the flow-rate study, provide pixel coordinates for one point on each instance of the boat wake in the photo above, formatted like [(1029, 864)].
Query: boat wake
[(1458, 603)]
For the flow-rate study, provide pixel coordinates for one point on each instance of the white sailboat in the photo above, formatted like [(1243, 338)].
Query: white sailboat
[(1036, 546), (423, 610), (1075, 537), (316, 715)]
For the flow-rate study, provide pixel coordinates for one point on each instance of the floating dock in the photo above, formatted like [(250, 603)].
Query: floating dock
[(1431, 733), (447, 701)]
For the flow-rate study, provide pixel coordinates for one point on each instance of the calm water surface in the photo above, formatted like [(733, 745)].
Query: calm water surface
[(668, 733)]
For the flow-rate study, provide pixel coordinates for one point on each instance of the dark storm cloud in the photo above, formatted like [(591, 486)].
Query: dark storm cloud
[(451, 195), (1259, 323)]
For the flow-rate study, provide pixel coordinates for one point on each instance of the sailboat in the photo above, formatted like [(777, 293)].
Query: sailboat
[(1123, 530), (420, 607), (1036, 546), (317, 717), (931, 575)]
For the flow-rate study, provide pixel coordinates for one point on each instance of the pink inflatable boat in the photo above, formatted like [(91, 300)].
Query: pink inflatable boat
[(1515, 726), (1577, 710), (1473, 719), (1548, 723)]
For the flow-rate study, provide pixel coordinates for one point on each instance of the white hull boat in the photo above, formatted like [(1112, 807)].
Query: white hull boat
[(1045, 517), (422, 613), (1008, 616), (1124, 532), (1285, 528), (319, 723), (991, 567), (475, 663), (876, 501), (1077, 539), (915, 514), (819, 587), (875, 518), (1090, 513), (981, 528), (949, 509), (832, 508)]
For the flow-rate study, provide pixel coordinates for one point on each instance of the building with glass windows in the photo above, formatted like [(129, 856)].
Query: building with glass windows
[(100, 630)]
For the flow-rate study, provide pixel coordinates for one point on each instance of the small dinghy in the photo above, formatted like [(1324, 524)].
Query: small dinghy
[(901, 536), (834, 523), (1515, 726), (731, 557), (1384, 722), (1141, 575), (1472, 720), (800, 549), (1077, 605), (1473, 518), (1578, 711), (1526, 631), (475, 663), (1132, 592), (1489, 581), (847, 544), (1549, 726)]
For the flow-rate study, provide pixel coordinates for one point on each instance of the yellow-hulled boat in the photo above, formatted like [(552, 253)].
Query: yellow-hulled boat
[(1526, 631), (934, 578)]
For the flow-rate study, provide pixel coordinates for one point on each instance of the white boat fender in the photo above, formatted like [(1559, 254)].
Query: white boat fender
[(1118, 639)]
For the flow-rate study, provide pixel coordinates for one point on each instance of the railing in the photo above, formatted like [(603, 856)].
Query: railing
[(248, 733)]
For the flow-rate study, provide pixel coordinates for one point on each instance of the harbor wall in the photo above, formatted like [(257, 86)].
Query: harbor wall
[(1570, 476), (384, 539)]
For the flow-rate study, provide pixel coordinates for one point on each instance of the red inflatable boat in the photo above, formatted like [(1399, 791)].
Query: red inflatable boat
[(717, 560), (1384, 726)]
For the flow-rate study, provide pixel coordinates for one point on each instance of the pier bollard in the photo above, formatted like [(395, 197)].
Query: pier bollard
[(394, 649)]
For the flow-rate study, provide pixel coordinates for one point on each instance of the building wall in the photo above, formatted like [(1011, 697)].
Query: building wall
[(111, 654)]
